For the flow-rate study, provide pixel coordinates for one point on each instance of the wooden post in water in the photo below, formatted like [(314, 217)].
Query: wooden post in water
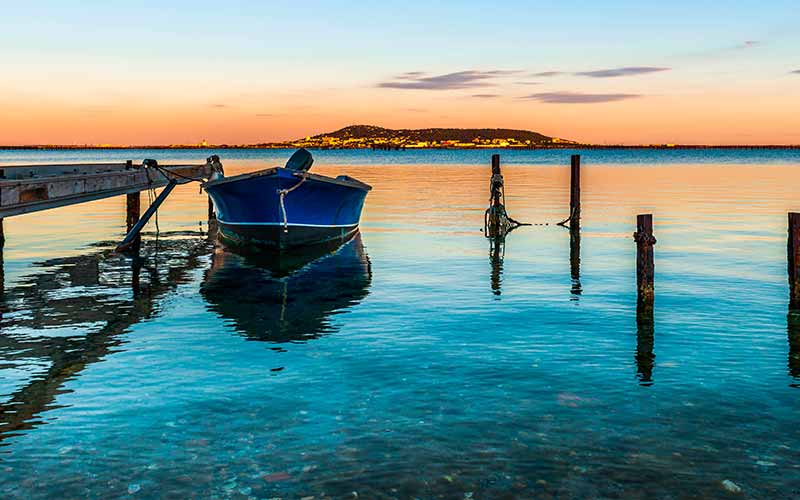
[(793, 250), (645, 264), (211, 215), (2, 234), (133, 209), (575, 193), (495, 223), (133, 212), (645, 279)]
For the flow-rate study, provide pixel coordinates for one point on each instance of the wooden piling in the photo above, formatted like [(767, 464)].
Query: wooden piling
[(645, 264), (211, 215), (793, 251), (133, 209), (495, 164), (2, 234), (496, 222), (134, 205), (575, 193)]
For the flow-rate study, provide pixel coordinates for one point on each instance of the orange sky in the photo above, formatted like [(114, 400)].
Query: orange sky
[(204, 71)]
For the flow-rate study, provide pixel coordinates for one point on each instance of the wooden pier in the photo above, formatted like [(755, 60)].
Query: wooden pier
[(32, 188)]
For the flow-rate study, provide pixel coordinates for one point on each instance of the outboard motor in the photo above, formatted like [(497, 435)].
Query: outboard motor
[(300, 161)]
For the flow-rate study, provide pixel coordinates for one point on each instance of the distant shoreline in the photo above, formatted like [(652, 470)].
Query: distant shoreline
[(292, 146)]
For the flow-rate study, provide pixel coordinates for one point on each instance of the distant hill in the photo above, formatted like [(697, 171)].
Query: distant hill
[(372, 133)]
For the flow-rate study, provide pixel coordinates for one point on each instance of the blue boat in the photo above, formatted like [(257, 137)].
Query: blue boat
[(286, 207)]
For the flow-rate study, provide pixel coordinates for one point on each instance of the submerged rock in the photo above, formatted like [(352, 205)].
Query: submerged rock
[(731, 486)]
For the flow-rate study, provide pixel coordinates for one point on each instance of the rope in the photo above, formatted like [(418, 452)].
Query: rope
[(167, 174), (282, 193)]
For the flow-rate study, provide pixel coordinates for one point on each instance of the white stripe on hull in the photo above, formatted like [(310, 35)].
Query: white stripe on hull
[(281, 224)]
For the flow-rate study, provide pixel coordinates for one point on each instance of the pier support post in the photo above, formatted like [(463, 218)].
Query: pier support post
[(211, 215), (575, 193), (2, 234), (133, 213), (133, 209), (793, 251), (645, 264)]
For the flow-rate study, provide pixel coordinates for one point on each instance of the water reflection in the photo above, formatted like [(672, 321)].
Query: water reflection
[(73, 312), (793, 331), (575, 262), (287, 298), (497, 252), (645, 341)]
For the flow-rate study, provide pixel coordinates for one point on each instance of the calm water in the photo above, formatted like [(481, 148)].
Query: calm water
[(414, 362)]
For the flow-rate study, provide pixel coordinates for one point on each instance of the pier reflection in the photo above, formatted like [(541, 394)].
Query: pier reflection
[(74, 311), (287, 299)]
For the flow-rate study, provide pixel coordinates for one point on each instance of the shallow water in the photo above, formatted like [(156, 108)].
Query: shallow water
[(413, 363)]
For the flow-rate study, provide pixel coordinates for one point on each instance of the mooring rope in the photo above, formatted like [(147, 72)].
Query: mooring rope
[(282, 193)]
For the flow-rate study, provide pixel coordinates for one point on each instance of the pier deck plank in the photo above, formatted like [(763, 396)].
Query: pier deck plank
[(31, 188)]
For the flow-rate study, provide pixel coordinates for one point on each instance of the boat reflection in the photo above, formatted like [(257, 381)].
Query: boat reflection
[(287, 298), (73, 312)]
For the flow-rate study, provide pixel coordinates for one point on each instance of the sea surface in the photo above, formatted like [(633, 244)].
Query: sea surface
[(420, 360)]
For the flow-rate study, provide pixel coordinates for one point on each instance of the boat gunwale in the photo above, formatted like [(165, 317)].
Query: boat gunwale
[(348, 182)]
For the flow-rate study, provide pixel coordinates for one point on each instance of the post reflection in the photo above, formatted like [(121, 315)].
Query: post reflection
[(287, 298), (575, 262), (73, 312), (497, 250), (793, 334), (645, 340)]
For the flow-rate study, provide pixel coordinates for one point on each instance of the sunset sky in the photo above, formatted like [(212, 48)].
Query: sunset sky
[(242, 72)]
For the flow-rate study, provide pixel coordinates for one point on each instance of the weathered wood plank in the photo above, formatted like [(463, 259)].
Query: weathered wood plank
[(27, 189)]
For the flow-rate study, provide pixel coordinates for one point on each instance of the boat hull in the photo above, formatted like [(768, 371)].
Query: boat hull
[(314, 210)]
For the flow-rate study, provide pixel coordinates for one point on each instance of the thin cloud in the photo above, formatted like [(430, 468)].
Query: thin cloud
[(528, 83), (795, 72), (547, 74), (219, 106), (748, 44), (485, 96), (417, 80), (577, 97), (626, 71), (264, 115)]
